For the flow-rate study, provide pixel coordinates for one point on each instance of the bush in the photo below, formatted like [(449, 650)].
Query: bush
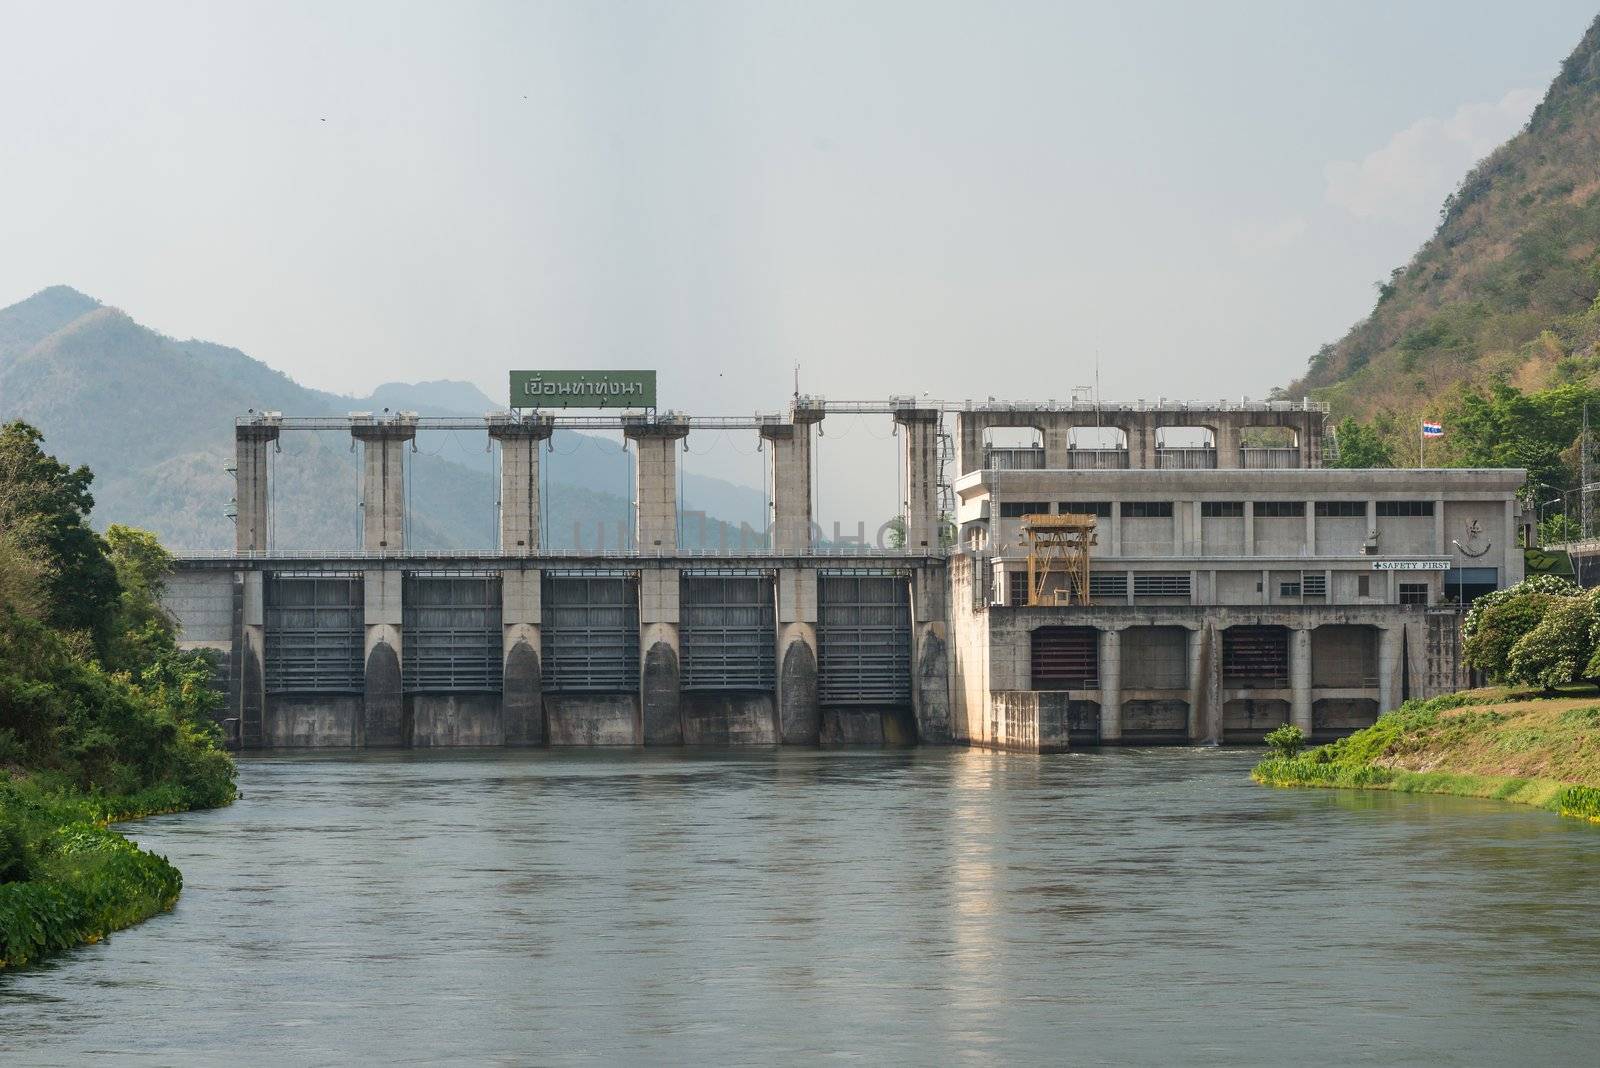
[(1558, 650), (1498, 628), (1286, 742), (1550, 584)]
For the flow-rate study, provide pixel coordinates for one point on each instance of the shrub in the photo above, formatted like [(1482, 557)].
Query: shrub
[(1550, 584), (1558, 650), (1498, 628), (1286, 742)]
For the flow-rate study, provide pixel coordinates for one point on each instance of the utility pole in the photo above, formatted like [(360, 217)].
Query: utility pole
[(1583, 478)]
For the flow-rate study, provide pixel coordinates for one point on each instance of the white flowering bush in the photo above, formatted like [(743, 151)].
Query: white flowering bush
[(1550, 584), (1557, 651)]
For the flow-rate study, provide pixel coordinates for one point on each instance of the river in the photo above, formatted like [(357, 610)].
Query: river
[(916, 906)]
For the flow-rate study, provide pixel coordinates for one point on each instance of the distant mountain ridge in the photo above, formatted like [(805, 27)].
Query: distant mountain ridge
[(152, 416), (1505, 290)]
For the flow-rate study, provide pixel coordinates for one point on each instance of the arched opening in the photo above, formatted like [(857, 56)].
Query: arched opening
[(1097, 448), (1269, 447), (1012, 448), (1186, 448)]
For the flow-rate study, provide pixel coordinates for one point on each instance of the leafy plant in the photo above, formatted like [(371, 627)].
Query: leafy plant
[(1286, 741)]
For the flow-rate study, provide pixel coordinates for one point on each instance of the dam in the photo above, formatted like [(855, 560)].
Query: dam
[(1226, 581)]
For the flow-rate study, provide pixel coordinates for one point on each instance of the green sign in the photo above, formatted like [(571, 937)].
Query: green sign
[(583, 389)]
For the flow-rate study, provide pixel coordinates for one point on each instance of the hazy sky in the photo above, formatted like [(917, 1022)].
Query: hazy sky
[(964, 199)]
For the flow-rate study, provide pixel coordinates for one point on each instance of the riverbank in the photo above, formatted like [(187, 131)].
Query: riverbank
[(1493, 743), (68, 879)]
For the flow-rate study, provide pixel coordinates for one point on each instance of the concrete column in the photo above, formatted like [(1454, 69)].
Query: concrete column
[(789, 450), (919, 477), (1249, 528), (519, 481), (1228, 442), (383, 718), (383, 480), (1441, 544), (655, 485), (930, 663), (251, 442), (969, 444), (1205, 684), (252, 674), (522, 687), (1116, 527), (1300, 679), (1388, 665), (1311, 529), (660, 673), (799, 715), (1110, 684)]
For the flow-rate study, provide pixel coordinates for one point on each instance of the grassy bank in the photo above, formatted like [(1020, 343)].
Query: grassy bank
[(1532, 750)]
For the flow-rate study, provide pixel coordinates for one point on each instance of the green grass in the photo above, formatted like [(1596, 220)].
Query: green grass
[(1544, 753)]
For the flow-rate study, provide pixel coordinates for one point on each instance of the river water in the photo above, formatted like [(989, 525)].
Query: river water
[(921, 906)]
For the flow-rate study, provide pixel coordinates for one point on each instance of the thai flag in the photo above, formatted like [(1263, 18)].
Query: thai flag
[(1432, 430)]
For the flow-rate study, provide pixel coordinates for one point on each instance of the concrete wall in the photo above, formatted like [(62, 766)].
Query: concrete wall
[(729, 718), (592, 719), (451, 719), (312, 721)]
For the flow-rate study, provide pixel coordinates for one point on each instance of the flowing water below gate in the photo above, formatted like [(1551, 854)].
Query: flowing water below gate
[(768, 906)]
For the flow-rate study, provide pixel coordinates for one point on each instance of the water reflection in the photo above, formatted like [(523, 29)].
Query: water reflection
[(787, 905)]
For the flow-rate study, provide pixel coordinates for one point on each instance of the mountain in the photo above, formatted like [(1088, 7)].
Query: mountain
[(1505, 290), (152, 416)]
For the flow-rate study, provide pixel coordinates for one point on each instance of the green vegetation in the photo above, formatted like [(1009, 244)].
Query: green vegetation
[(1486, 743), (1502, 297), (1286, 741), (1543, 632), (102, 717)]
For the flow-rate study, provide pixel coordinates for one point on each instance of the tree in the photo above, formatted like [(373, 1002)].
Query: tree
[(141, 631), (44, 506), (1360, 446), (1558, 650), (1501, 625)]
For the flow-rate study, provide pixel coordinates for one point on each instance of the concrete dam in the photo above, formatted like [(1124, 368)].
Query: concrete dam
[(1227, 583)]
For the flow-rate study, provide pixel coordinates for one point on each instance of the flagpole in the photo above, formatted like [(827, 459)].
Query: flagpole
[(1422, 425)]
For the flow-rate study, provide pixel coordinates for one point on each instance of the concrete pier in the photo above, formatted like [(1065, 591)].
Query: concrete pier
[(1111, 684), (520, 441), (383, 481), (1300, 679), (655, 484), (788, 448), (799, 716), (522, 697), (919, 477), (383, 718), (252, 443), (660, 662)]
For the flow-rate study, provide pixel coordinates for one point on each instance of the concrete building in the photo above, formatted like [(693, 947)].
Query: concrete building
[(1234, 585)]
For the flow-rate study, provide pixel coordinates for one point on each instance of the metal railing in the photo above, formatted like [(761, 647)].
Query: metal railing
[(1186, 458), (1006, 459), (1269, 458), (1097, 459)]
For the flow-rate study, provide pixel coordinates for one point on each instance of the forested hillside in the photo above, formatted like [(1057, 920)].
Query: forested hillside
[(1504, 292)]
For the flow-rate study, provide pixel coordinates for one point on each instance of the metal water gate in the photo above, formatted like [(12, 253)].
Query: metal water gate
[(590, 633), (315, 631), (451, 635), (864, 639), (728, 632)]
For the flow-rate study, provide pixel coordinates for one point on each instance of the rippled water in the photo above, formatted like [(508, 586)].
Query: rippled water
[(915, 906)]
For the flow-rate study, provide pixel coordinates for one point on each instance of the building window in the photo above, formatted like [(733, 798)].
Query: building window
[(1342, 509), (1160, 585), (1018, 509), (1098, 509), (1147, 509), (1280, 509), (1363, 585), (1314, 584), (1405, 508), (1016, 587), (1221, 509), (1289, 590), (1108, 585), (1413, 593)]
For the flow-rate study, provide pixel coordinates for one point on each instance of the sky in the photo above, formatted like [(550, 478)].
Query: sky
[(963, 200)]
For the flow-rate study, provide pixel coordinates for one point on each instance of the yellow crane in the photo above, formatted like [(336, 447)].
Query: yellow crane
[(1058, 545)]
